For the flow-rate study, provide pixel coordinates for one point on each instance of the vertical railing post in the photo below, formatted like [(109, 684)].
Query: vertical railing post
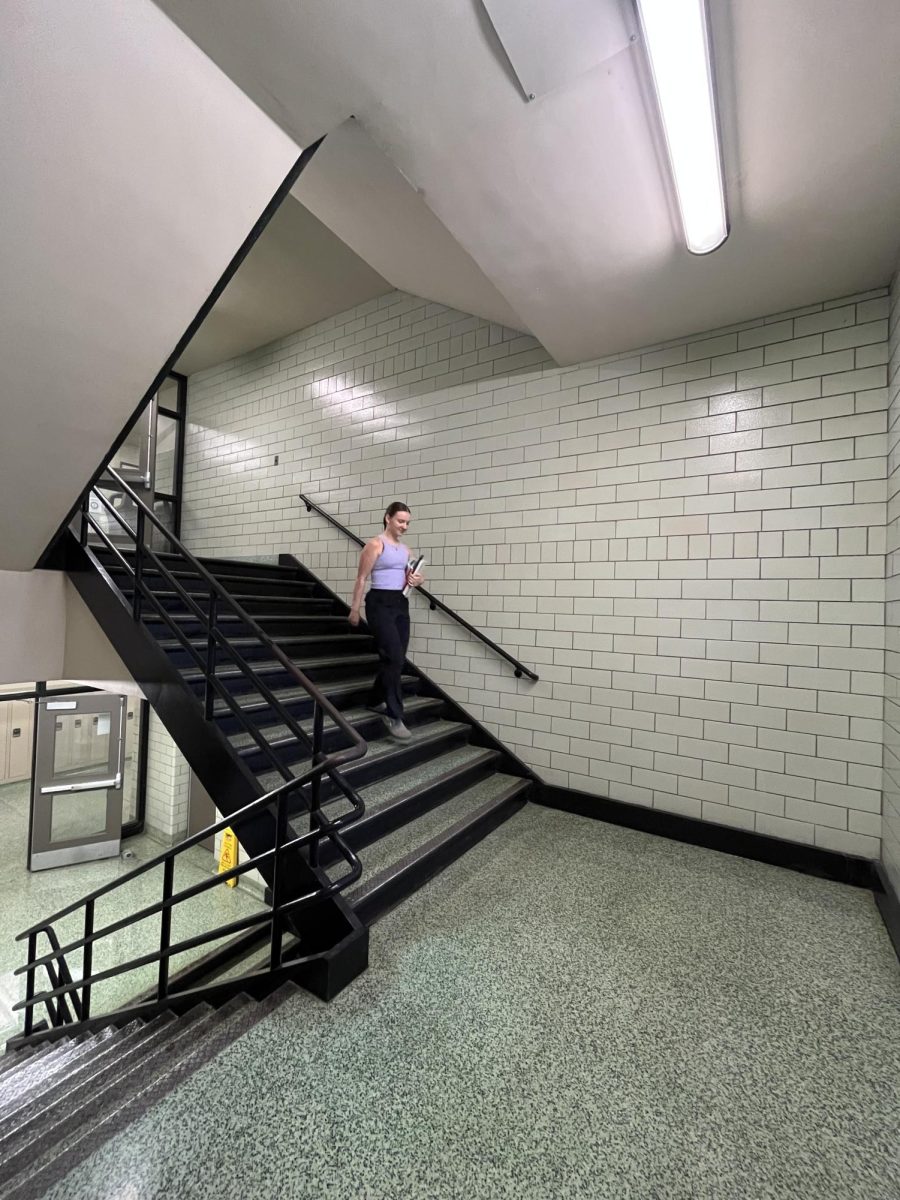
[(315, 787), (277, 876), (138, 566), (85, 506), (165, 929), (29, 984), (87, 959), (209, 692)]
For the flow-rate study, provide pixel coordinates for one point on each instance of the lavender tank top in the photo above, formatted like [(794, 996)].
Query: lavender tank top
[(389, 572)]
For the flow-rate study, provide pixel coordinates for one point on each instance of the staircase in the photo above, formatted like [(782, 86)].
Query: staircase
[(260, 679), (60, 1100), (426, 800)]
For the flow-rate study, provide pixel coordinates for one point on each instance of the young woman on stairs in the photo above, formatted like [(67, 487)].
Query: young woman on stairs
[(386, 559)]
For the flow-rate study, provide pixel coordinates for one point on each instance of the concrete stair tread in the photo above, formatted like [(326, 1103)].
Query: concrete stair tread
[(42, 1076), (397, 845), (378, 795), (139, 1089), (55, 1117), (18, 1060)]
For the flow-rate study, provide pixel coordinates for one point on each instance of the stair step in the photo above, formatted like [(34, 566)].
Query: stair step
[(303, 603), (115, 1043), (399, 864), (16, 1061), (194, 584), (70, 1106), (402, 798), (228, 566), (386, 753), (353, 640), (334, 691), (338, 620), (135, 1092), (191, 675), (280, 736), (28, 1085)]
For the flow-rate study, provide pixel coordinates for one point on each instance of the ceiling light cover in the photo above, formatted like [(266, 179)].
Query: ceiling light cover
[(676, 36)]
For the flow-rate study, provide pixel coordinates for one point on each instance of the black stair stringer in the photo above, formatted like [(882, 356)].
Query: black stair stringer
[(329, 930)]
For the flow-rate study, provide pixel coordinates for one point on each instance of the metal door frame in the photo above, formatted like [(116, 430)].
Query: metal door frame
[(43, 852)]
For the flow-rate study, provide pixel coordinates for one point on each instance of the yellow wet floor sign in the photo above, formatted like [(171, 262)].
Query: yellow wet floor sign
[(228, 855)]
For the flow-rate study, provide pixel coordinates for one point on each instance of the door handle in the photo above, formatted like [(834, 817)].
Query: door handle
[(82, 787)]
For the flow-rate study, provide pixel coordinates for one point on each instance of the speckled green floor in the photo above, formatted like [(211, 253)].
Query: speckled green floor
[(571, 1010), (26, 896)]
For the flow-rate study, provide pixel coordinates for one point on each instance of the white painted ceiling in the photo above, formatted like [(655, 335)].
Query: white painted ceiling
[(561, 203), (297, 273)]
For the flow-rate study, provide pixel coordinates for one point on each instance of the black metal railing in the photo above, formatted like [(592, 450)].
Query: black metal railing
[(433, 602), (65, 990), (67, 999)]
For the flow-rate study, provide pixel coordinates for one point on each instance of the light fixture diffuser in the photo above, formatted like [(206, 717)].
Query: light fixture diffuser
[(676, 37)]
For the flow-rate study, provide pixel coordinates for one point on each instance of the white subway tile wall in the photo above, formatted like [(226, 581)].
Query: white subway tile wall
[(891, 830), (168, 786), (686, 542)]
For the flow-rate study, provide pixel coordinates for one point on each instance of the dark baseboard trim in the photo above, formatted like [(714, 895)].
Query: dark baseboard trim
[(809, 860), (888, 905)]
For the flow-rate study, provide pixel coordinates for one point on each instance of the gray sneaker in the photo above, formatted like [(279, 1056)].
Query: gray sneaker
[(398, 730), (377, 708)]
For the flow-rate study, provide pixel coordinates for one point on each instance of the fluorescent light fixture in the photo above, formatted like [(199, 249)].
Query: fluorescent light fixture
[(676, 35)]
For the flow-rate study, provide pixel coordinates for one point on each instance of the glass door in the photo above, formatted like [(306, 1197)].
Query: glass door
[(76, 796)]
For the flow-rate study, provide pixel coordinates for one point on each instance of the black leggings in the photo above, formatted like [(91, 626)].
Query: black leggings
[(387, 615)]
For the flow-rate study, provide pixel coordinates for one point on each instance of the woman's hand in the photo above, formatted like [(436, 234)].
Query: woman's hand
[(354, 616), (415, 578)]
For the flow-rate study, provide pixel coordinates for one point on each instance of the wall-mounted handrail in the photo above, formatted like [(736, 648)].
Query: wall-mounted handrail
[(433, 601), (63, 990)]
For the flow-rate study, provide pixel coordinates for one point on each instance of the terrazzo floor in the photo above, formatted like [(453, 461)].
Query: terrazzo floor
[(571, 1010), (26, 896)]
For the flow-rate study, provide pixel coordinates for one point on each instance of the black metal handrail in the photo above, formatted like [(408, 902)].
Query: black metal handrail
[(63, 989), (433, 601), (64, 986)]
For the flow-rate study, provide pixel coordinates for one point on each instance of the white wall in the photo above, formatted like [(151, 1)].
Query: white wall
[(88, 653), (686, 542), (133, 169), (49, 633), (891, 833), (33, 632)]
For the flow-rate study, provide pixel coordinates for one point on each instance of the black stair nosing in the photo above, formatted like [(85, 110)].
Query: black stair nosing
[(386, 818), (33, 1083), (415, 707), (152, 1087), (53, 1120), (384, 891)]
